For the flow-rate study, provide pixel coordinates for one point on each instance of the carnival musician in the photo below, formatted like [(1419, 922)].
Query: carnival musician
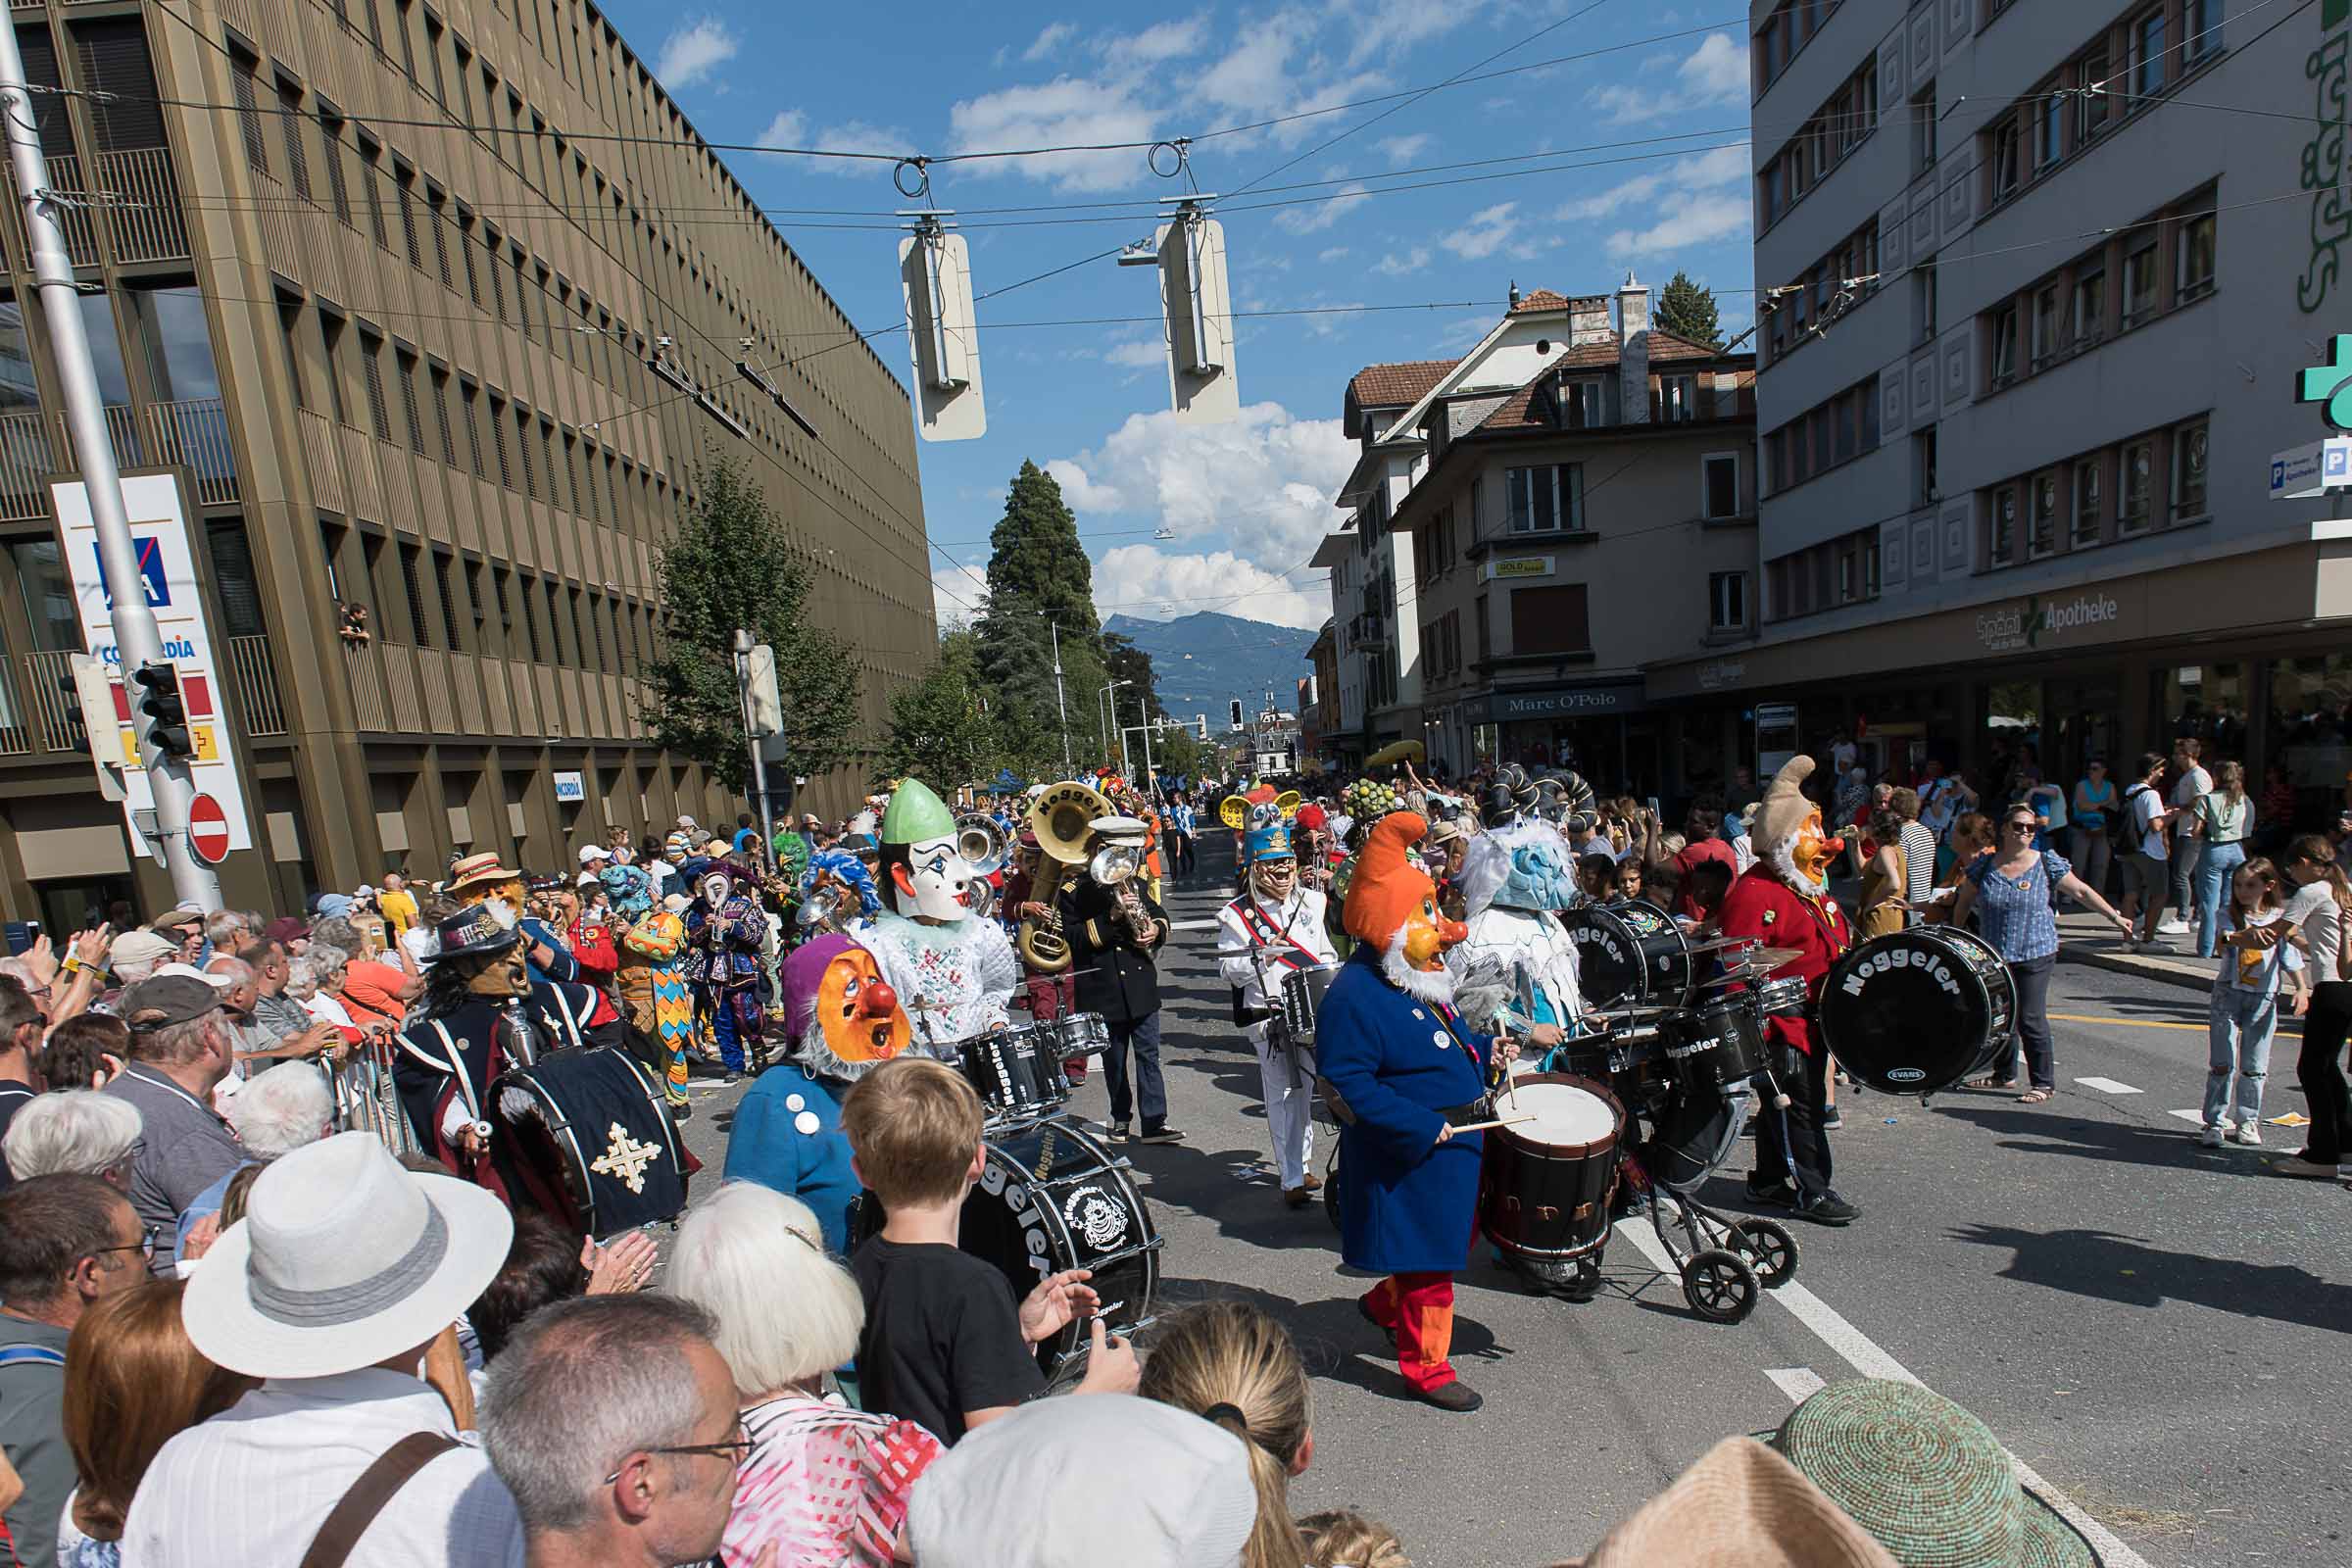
[(1783, 900), (1280, 926), (726, 937), (1406, 1073), (1115, 930), (477, 878), (481, 1015), (953, 975)]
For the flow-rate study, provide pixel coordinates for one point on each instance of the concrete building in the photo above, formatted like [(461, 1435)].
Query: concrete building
[(1568, 503), (2053, 284), (430, 311)]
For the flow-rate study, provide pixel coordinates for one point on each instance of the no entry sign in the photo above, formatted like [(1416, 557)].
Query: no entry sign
[(208, 829)]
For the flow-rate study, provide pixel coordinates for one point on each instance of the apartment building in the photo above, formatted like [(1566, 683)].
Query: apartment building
[(432, 309), (1571, 501), (2051, 272)]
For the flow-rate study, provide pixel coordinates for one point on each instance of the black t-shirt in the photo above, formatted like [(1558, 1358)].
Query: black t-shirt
[(942, 1335), (14, 1097)]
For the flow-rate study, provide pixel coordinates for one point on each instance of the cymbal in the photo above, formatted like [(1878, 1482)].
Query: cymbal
[(1755, 965)]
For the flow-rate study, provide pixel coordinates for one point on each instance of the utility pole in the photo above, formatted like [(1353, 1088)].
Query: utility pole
[(745, 642), (1061, 709), (138, 641)]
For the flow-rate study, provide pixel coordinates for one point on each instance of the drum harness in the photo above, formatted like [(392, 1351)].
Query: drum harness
[(1266, 939)]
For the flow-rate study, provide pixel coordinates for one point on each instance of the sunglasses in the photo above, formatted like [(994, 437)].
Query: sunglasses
[(737, 1449), (2023, 824)]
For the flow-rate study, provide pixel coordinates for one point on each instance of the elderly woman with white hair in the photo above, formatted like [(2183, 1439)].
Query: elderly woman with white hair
[(276, 1112), (316, 980), (822, 1484), (77, 1131)]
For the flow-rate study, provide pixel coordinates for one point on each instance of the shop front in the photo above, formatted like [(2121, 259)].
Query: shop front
[(1601, 729)]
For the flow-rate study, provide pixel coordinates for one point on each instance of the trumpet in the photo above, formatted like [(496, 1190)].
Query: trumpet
[(1114, 866)]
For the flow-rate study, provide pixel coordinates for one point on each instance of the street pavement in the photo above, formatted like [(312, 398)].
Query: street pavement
[(2156, 1331)]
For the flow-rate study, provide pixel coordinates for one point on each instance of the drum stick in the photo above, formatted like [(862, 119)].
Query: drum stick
[(1500, 1122)]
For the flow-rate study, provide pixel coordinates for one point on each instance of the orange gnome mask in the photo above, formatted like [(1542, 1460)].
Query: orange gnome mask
[(1392, 903)]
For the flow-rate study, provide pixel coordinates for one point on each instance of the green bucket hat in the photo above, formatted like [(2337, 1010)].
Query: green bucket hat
[(916, 814), (1925, 1477)]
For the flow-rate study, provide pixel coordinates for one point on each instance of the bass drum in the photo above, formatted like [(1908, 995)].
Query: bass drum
[(1050, 1198), (1918, 1010), (1628, 954), (594, 1120), (1544, 1192)]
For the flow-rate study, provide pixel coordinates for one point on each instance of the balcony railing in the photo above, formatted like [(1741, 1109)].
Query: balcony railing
[(192, 433), (146, 224), (16, 739), (82, 235), (56, 710), (27, 461), (253, 671)]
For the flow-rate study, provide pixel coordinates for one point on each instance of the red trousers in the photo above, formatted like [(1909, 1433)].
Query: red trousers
[(1419, 1309), (1050, 995)]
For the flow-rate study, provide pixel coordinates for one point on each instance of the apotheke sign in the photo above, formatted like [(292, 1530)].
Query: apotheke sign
[(2038, 623)]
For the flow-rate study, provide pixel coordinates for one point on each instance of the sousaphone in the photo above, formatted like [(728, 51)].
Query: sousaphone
[(1060, 819)]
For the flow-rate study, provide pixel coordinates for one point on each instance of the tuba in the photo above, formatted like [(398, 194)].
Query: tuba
[(981, 842), (1063, 819)]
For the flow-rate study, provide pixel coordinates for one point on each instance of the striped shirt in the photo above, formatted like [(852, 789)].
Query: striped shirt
[(826, 1483)]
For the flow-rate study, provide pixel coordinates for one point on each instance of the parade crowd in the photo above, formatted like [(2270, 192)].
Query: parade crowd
[(272, 1290)]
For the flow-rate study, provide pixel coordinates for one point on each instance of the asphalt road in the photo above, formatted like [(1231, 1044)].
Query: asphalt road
[(2157, 1330)]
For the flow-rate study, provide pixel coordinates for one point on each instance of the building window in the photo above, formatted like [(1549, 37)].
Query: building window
[(1845, 576), (445, 583), (2002, 549), (1923, 131), (371, 375), (1550, 620), (417, 626), (244, 79), (338, 189), (1719, 475), (2048, 324), (291, 122), (2194, 268), (2049, 133), (406, 365), (2004, 345), (2089, 495), (1870, 564), (2200, 30), (2004, 160), (2138, 489), (1678, 399), (2091, 109), (1586, 406), (1726, 601), (2188, 473), (2090, 306), (1547, 499), (1922, 467), (2147, 54), (2139, 283), (1925, 292), (2042, 517)]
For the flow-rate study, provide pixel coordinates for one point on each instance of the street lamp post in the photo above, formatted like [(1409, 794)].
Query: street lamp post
[(1060, 709), (1111, 706)]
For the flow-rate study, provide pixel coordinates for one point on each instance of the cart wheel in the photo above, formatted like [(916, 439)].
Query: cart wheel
[(1720, 1286), (1769, 1248), (1331, 1189)]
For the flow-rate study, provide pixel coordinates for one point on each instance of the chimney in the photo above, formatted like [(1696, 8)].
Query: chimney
[(1633, 351), (1514, 293)]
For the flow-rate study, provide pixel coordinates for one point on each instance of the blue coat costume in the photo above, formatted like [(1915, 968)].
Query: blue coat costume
[(1408, 1205), (787, 1136)]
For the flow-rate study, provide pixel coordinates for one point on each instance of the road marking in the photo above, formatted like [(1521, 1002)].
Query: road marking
[(1866, 1357), (2107, 1086), (2196, 1117), (2150, 1023), (1209, 924), (1799, 1383)]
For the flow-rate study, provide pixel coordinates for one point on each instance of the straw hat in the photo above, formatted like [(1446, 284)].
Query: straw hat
[(343, 1258), (479, 868), (1742, 1504)]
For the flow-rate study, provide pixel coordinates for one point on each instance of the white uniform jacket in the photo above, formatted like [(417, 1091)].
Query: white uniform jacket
[(1291, 933)]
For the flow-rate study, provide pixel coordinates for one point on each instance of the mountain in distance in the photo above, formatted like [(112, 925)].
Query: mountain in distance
[(1200, 662)]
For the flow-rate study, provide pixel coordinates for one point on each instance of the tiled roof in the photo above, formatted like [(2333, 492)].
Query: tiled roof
[(1542, 298), (1380, 386), (1518, 410)]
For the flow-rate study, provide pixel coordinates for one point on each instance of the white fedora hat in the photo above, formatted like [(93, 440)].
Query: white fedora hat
[(343, 1257)]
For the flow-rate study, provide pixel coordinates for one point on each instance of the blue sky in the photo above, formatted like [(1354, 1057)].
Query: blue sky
[(1246, 501)]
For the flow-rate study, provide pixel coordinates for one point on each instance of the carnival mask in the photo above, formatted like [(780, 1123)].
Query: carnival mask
[(715, 888), (1276, 878), (936, 880), (1539, 880), (1811, 853), (1427, 936), (513, 893), (502, 975), (859, 1013)]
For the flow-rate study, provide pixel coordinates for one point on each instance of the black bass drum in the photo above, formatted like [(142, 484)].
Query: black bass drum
[(594, 1120), (1627, 953), (1050, 1198), (1918, 1010)]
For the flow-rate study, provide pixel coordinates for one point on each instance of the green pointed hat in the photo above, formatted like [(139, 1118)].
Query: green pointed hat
[(915, 814)]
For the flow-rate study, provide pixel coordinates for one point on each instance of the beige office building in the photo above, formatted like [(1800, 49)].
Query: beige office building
[(425, 366)]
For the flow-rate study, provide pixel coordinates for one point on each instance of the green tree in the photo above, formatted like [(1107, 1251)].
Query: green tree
[(1041, 584), (1687, 310), (732, 566), (942, 729)]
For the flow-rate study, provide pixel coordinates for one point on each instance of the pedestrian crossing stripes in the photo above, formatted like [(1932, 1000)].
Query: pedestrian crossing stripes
[(2107, 1086), (1799, 1383)]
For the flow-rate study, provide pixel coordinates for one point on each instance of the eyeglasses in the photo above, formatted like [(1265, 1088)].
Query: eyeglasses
[(2023, 824), (144, 1245), (737, 1449)]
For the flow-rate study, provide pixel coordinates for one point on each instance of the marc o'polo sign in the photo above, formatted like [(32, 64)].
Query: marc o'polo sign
[(2039, 623)]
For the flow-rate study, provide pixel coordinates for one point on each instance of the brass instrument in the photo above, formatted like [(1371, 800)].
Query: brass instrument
[(1062, 819), (981, 842), (366, 1098), (1115, 865)]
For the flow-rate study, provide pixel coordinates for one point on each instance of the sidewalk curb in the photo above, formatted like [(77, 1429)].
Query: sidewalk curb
[(2133, 964)]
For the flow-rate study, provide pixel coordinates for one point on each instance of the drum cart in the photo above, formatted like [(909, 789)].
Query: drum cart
[(1721, 1260)]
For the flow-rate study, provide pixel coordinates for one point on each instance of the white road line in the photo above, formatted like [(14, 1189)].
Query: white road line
[(2196, 1117), (2107, 1086), (1865, 1356), (1209, 924), (1799, 1383)]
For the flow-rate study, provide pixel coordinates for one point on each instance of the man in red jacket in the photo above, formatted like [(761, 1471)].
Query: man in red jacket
[(1783, 900)]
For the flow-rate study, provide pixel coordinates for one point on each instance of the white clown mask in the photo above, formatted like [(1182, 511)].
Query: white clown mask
[(715, 887), (937, 880)]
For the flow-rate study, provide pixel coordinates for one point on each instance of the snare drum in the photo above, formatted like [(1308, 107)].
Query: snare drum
[(1628, 952), (1302, 999), (1917, 1010), (1018, 1071), (1050, 1198), (1545, 1184), (1785, 998), (1080, 1034), (1713, 1049)]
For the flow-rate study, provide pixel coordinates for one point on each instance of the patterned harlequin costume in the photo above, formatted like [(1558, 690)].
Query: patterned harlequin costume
[(652, 985), (724, 945)]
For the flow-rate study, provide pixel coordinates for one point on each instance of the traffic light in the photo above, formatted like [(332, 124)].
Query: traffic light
[(160, 700), (1237, 712)]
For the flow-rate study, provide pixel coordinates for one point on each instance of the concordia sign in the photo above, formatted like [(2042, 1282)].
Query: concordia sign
[(2037, 622)]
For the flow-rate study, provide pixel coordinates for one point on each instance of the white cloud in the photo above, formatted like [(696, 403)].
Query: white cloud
[(1318, 215), (1695, 221), (1403, 150), (791, 128), (1266, 73), (958, 592), (1396, 266), (1262, 484), (1713, 73), (1486, 231), (1154, 584), (1159, 42), (1327, 257), (1711, 170), (1052, 37), (1066, 110), (692, 51), (1140, 354), (1385, 26)]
